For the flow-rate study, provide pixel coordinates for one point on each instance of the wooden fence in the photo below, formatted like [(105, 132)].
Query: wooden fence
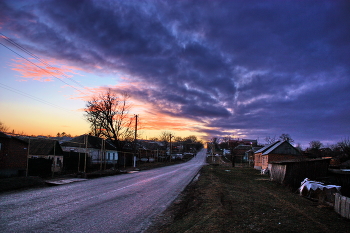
[(342, 205)]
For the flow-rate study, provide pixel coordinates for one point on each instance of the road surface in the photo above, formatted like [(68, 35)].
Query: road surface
[(123, 203)]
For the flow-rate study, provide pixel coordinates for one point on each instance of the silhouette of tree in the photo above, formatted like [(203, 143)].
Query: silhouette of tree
[(3, 127), (109, 116), (286, 137)]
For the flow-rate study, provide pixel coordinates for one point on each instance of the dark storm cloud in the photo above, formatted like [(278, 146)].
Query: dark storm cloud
[(263, 67)]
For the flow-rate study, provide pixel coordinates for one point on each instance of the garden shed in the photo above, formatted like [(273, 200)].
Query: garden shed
[(292, 173)]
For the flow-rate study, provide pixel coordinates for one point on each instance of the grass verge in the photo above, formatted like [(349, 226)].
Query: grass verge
[(228, 199)]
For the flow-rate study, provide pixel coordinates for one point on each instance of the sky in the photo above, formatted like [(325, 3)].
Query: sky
[(245, 69)]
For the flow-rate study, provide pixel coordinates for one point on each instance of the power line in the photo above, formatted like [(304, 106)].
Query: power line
[(41, 68), (31, 96), (38, 58)]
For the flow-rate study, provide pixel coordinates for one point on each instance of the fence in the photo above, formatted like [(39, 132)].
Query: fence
[(342, 205)]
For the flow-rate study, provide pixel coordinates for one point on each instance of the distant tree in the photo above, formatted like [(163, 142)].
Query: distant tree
[(270, 140), (298, 147), (63, 134), (108, 115), (286, 137), (165, 136), (225, 142), (193, 142), (226, 139), (154, 139), (315, 145), (344, 145), (3, 127), (178, 139), (191, 139)]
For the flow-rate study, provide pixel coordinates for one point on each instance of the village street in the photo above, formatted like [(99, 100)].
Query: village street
[(123, 203)]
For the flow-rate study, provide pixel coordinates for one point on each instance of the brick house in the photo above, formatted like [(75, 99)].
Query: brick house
[(275, 152), (13, 156)]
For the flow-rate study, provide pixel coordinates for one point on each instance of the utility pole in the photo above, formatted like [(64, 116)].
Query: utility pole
[(170, 147), (79, 159), (135, 140), (104, 153), (54, 159), (136, 127), (27, 170), (86, 142), (101, 154)]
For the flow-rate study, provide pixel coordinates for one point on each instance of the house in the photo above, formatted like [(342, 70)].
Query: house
[(46, 149), (97, 149), (13, 156), (239, 153), (249, 154), (277, 151)]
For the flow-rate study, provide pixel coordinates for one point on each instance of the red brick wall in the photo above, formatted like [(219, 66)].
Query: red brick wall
[(257, 161), (276, 158)]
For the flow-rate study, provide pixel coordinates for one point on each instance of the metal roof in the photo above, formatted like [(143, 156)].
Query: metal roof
[(274, 146), (265, 148)]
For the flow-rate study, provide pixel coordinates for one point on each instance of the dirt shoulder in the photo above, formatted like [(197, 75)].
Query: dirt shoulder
[(20, 183), (226, 199)]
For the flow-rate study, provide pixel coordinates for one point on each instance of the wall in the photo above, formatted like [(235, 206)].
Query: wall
[(13, 157), (257, 161), (266, 159), (342, 205)]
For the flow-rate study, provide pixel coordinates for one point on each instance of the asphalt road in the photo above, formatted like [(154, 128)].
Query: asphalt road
[(123, 203)]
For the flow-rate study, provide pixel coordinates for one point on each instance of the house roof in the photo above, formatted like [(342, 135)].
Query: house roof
[(265, 148), (3, 135), (243, 147), (92, 142), (44, 147), (250, 140), (270, 148)]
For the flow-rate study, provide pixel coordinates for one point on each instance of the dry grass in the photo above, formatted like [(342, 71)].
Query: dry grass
[(228, 199)]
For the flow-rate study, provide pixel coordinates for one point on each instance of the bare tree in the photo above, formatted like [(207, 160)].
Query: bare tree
[(109, 116), (345, 146), (286, 137), (298, 147), (226, 139), (191, 139), (3, 128), (315, 145), (165, 136), (270, 140), (178, 139)]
